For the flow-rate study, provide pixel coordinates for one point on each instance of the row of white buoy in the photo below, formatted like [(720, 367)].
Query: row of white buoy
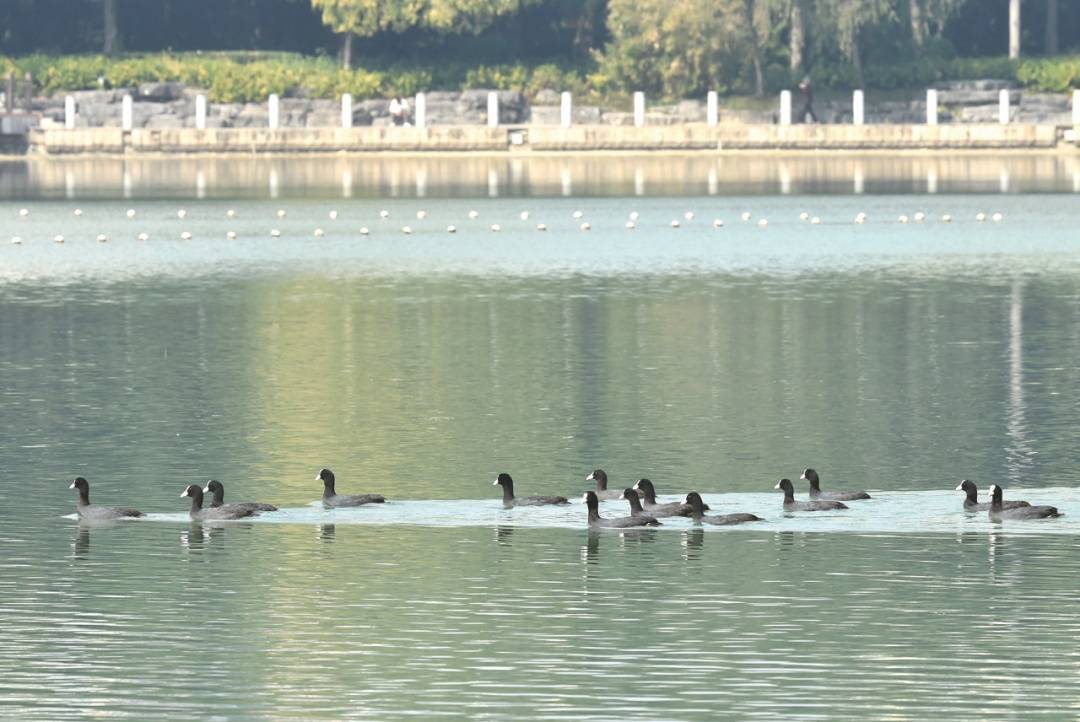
[(746, 216)]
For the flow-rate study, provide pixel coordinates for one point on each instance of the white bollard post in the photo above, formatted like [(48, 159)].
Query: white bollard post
[(200, 112), (1003, 107), (346, 110), (127, 113), (1076, 107), (274, 109), (69, 112), (420, 111), (785, 107), (712, 110), (493, 109), (639, 109), (857, 108), (931, 107), (566, 109)]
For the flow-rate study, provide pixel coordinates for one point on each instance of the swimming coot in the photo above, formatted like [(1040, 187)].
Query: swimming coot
[(622, 522), (332, 499), (648, 501), (816, 492), (813, 505), (998, 510), (971, 498), (216, 488), (697, 513), (602, 492), (509, 500), (195, 493), (635, 503), (89, 511)]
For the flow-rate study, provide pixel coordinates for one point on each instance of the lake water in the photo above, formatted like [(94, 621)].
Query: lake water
[(895, 357)]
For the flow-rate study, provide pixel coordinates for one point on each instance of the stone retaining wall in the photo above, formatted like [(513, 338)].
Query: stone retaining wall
[(687, 136)]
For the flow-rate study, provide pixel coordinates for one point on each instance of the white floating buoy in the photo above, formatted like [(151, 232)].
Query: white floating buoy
[(319, 233), (333, 215), (689, 215), (406, 230), (384, 214), (275, 233), (130, 213), (763, 223), (24, 212), (717, 223), (585, 226), (363, 230), (421, 215), (473, 215), (980, 216), (920, 217), (181, 213), (634, 215), (77, 212), (746, 215), (230, 213), (16, 240), (496, 227), (524, 215), (58, 239), (578, 214), (860, 217), (281, 213), (815, 221), (185, 236), (903, 219), (946, 218), (451, 229), (231, 235), (630, 225), (803, 216), (144, 237), (102, 238), (996, 218), (541, 226)]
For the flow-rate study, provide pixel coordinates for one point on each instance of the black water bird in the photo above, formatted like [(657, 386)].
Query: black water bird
[(602, 492), (622, 522), (971, 498), (221, 513), (813, 505), (509, 500), (998, 510), (635, 503), (92, 512), (697, 513), (816, 492), (648, 501), (216, 488), (331, 498)]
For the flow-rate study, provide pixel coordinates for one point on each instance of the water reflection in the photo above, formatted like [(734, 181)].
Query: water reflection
[(500, 176)]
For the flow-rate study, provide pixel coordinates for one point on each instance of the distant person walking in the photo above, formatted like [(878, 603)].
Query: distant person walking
[(399, 111), (807, 100)]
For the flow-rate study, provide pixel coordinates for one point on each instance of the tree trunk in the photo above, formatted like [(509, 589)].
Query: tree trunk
[(856, 58), (755, 51), (918, 24), (797, 37), (1014, 29), (1051, 45), (109, 44), (346, 51)]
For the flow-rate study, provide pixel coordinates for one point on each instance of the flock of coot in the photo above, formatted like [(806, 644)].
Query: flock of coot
[(645, 510)]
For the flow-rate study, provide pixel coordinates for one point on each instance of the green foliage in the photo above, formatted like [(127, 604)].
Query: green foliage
[(369, 17), (1057, 75)]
